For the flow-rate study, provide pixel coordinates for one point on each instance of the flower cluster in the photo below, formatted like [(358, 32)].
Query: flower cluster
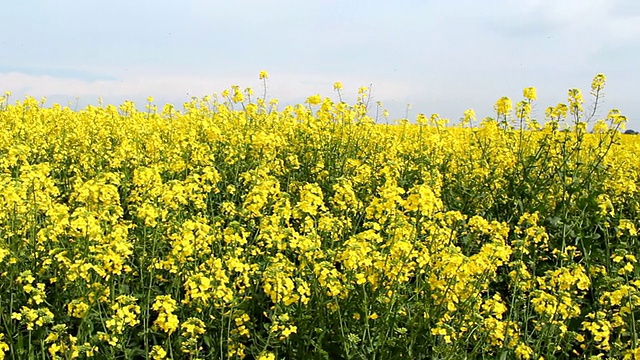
[(231, 228)]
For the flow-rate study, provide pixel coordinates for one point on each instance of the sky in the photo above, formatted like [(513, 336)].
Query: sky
[(438, 56)]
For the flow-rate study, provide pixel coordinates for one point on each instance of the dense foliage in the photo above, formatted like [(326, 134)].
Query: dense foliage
[(234, 229)]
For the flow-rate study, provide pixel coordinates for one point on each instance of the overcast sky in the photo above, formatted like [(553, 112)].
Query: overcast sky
[(439, 56)]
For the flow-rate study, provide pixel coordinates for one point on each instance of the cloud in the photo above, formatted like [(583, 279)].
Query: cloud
[(63, 73), (287, 87), (441, 57), (584, 22)]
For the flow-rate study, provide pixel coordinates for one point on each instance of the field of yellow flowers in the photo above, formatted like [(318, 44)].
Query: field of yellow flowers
[(235, 229)]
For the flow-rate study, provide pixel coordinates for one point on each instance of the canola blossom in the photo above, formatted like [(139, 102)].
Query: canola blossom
[(237, 229)]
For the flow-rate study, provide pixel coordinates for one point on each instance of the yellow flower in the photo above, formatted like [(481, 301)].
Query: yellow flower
[(125, 312), (3, 253), (33, 318), (237, 94), (193, 327), (77, 308), (3, 347), (314, 100), (165, 306), (267, 356), (158, 353), (503, 106), (311, 199), (616, 118), (626, 269), (468, 116), (598, 84), (523, 351), (575, 101), (198, 289), (108, 338), (263, 75), (529, 93), (289, 330)]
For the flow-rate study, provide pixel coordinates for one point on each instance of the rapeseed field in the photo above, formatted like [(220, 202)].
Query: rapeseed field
[(237, 229)]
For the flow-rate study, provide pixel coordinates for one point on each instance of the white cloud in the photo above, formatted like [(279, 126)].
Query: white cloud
[(442, 57), (287, 87)]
